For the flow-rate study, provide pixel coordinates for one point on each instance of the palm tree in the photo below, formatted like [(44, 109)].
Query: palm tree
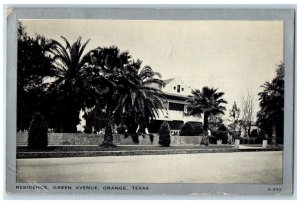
[(141, 101), (208, 102), (125, 90), (107, 70), (70, 86)]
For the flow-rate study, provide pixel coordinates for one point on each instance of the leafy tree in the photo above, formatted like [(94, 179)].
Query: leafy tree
[(37, 134), (32, 68), (271, 101), (234, 113), (164, 135), (207, 102), (248, 103)]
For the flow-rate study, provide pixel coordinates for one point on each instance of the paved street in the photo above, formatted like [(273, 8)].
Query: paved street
[(238, 167)]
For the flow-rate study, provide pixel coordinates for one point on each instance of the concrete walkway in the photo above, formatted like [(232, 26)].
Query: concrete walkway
[(237, 167)]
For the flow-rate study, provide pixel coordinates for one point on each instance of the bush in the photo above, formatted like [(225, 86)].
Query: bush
[(222, 134), (88, 129), (38, 132), (191, 129), (135, 138), (254, 133), (164, 135), (121, 129), (198, 128)]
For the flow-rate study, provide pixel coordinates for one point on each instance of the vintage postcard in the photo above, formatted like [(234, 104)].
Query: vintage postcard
[(131, 101)]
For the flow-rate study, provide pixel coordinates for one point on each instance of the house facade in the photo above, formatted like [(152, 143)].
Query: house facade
[(176, 92)]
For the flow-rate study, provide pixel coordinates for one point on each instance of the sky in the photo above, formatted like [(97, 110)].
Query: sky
[(236, 57)]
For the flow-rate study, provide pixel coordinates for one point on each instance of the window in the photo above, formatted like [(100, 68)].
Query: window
[(174, 87), (178, 88), (182, 89), (176, 106)]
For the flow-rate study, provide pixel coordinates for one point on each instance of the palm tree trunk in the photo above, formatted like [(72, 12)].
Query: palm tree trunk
[(205, 125), (108, 136), (205, 138)]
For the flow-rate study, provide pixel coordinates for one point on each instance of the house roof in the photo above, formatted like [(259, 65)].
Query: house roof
[(168, 80)]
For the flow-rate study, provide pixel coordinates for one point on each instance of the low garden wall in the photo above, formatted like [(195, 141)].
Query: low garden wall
[(96, 139)]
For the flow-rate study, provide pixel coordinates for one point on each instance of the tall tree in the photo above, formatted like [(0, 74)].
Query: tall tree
[(247, 116), (234, 113), (271, 101), (32, 68), (208, 102), (141, 102), (70, 84)]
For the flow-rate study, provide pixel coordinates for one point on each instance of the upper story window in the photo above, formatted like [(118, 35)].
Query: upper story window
[(182, 89), (178, 88)]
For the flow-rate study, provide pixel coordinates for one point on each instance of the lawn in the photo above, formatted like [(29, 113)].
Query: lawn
[(120, 148), (128, 150)]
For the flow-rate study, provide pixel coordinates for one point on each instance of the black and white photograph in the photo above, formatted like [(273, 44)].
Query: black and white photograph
[(125, 103)]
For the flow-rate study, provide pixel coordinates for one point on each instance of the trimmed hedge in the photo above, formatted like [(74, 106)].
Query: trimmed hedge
[(38, 132), (191, 129), (164, 135)]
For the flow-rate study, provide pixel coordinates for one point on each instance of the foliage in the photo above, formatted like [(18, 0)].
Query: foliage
[(215, 122), (222, 134), (37, 133), (254, 133), (88, 129), (234, 113), (71, 84), (251, 140), (104, 80), (164, 135), (121, 129), (140, 102), (271, 102), (126, 91), (32, 68), (208, 101), (95, 118), (191, 129)]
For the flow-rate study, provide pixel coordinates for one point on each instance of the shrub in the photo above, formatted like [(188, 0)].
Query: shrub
[(221, 134), (198, 128), (151, 138), (187, 130), (121, 129), (164, 135), (191, 129), (88, 129), (38, 132), (135, 138), (254, 133)]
